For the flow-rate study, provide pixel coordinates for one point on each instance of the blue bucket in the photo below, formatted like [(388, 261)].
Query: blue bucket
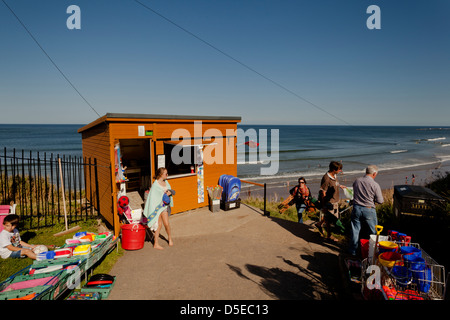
[(409, 250), (410, 259), (416, 263), (423, 279), (401, 275)]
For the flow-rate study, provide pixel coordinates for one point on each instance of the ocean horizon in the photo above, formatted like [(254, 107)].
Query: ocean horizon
[(301, 150)]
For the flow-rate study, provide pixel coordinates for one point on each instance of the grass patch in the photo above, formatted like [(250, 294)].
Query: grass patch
[(45, 235)]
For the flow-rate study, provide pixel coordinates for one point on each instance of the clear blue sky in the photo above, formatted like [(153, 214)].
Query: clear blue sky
[(126, 58)]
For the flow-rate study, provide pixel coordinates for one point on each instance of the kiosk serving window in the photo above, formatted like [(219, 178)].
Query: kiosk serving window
[(181, 159)]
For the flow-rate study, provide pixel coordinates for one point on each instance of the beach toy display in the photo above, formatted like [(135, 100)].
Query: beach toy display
[(49, 276)]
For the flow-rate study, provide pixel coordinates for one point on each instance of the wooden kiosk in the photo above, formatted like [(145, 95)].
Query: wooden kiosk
[(128, 149)]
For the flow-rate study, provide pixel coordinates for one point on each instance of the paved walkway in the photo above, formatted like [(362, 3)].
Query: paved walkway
[(231, 255)]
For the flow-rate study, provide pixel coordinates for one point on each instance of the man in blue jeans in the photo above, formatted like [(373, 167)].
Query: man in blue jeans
[(366, 193)]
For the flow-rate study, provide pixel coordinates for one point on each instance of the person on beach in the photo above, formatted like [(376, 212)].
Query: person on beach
[(329, 198), (302, 197), (11, 245), (153, 202), (366, 193)]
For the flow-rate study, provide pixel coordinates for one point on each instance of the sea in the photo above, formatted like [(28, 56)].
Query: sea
[(284, 151)]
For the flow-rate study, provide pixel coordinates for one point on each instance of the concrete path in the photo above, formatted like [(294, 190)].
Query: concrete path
[(231, 255)]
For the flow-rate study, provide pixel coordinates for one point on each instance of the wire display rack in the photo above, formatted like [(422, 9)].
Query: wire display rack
[(407, 279)]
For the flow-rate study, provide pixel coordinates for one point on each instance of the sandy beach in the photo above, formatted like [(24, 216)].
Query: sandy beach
[(279, 188)]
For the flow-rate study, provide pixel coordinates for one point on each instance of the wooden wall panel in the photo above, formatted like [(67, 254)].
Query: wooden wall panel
[(186, 193), (96, 145), (129, 130)]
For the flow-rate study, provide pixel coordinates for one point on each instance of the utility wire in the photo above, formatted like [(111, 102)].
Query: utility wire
[(49, 58), (241, 63)]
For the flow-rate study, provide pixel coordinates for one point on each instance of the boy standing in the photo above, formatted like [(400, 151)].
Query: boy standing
[(329, 191), (11, 246)]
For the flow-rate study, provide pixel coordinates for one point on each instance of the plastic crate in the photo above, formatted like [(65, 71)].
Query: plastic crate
[(230, 205), (40, 291)]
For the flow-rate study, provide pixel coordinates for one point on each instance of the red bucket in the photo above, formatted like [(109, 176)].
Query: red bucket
[(133, 236), (364, 248)]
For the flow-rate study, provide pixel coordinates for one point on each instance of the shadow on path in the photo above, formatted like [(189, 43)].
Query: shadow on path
[(316, 282)]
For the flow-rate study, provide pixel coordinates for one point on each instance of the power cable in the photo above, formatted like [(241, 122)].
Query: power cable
[(49, 58), (241, 63)]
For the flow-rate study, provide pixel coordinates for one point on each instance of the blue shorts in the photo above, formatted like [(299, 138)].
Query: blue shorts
[(18, 254)]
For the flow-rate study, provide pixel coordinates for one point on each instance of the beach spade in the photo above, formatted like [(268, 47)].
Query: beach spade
[(378, 229)]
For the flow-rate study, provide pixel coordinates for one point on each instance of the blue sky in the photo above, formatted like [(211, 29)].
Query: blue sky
[(126, 58)]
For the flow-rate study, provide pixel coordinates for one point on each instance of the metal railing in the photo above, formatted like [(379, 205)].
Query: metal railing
[(265, 192), (35, 183)]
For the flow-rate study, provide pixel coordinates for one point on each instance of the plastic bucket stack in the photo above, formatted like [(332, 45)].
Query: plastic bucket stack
[(389, 259)]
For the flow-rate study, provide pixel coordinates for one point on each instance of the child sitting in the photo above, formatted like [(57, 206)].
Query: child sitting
[(11, 246)]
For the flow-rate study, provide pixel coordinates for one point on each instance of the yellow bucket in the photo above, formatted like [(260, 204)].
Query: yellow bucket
[(384, 246)]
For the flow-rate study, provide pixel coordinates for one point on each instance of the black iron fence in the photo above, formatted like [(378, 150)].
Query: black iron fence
[(46, 188)]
